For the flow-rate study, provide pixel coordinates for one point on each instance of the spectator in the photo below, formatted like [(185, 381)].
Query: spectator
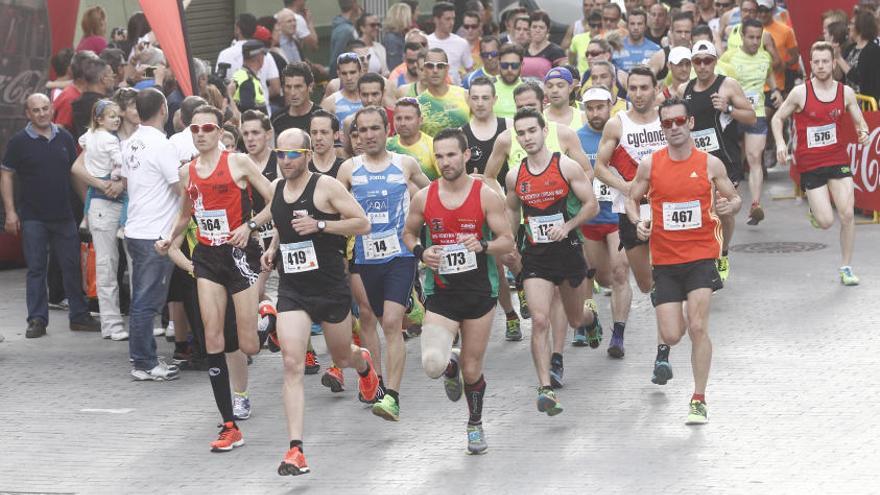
[(61, 67), (414, 7), (489, 53), (64, 101), (138, 27), (541, 54), (861, 60), (658, 23), (245, 28), (125, 99), (368, 28), (298, 84), (472, 29), (249, 93), (458, 51), (40, 156), (343, 30), (149, 163), (116, 60), (100, 82), (579, 26), (305, 24), (397, 23), (522, 34), (94, 28), (287, 38)]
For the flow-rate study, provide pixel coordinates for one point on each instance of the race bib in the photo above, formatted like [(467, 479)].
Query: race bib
[(603, 191), (754, 99), (706, 140), (455, 258), (298, 257), (213, 224), (266, 230), (541, 225), (824, 135), (381, 245), (682, 216)]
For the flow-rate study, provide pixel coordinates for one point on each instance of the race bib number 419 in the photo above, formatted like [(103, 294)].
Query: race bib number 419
[(299, 257)]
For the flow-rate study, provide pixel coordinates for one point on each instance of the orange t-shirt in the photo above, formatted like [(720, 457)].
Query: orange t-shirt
[(783, 38)]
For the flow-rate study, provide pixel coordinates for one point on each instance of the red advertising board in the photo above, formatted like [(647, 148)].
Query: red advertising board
[(865, 162)]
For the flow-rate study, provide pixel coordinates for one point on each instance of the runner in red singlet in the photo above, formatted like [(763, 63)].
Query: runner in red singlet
[(820, 156), (685, 240)]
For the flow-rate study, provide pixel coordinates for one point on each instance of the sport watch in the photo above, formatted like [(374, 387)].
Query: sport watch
[(321, 225), (252, 225), (484, 244)]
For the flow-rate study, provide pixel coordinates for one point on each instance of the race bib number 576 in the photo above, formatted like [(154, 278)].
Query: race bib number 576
[(820, 136)]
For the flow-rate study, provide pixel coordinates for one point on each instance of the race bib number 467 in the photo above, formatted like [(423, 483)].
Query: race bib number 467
[(682, 216)]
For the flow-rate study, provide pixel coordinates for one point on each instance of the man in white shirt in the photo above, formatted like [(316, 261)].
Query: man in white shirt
[(149, 164), (457, 49), (245, 27)]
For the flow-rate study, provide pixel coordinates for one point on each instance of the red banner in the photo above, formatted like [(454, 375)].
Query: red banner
[(865, 162), (806, 20), (166, 17)]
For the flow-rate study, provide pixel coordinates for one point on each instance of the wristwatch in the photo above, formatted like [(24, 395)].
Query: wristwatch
[(729, 108), (321, 225), (252, 225), (484, 244)]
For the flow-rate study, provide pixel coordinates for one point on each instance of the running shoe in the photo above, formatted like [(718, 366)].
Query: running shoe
[(556, 374), (294, 463), (523, 304), (847, 277), (368, 385), (615, 347), (161, 372), (594, 336), (513, 332), (662, 372), (547, 401), (698, 413), (266, 329), (61, 305), (317, 329), (169, 332), (312, 364), (476, 440), (454, 386), (580, 337), (417, 312), (723, 265), (756, 214), (241, 406), (119, 336), (230, 438), (333, 379), (380, 393), (387, 408), (813, 221)]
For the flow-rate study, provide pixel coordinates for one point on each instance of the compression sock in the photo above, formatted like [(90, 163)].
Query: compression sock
[(474, 393), (219, 375), (699, 397), (662, 352)]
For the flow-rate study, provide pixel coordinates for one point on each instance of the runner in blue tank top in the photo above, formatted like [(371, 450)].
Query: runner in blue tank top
[(383, 183), (346, 101), (636, 48)]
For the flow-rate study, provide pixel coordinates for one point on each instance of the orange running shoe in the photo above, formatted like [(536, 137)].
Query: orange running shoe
[(312, 364), (368, 385), (230, 437), (294, 463), (333, 379)]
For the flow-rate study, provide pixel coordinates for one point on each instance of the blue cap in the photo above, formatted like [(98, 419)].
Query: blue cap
[(559, 73)]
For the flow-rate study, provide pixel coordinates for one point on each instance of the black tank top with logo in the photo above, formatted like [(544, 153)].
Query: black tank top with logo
[(334, 169), (714, 132), (480, 150)]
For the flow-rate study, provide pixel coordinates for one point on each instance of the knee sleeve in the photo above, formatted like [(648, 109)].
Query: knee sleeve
[(436, 346)]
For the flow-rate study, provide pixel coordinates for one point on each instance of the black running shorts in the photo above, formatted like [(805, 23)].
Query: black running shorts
[(571, 267), (819, 177), (331, 306), (234, 268), (460, 307), (629, 238), (673, 283)]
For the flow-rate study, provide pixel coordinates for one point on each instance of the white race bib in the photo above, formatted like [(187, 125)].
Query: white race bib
[(299, 257), (754, 99), (603, 191), (455, 258), (381, 245), (824, 135), (682, 216), (266, 230), (645, 212), (706, 140), (541, 225), (213, 224)]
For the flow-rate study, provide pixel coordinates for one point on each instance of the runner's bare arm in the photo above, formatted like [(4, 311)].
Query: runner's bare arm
[(727, 200), (583, 190), (183, 217), (177, 257), (743, 112), (415, 219), (344, 174), (513, 205), (657, 61), (496, 217), (329, 104), (770, 46), (571, 146), (258, 181), (793, 103), (638, 189), (500, 150), (414, 174), (354, 220), (855, 112), (607, 144)]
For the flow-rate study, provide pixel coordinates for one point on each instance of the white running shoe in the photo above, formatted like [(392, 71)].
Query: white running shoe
[(169, 332), (161, 372), (241, 406), (119, 336)]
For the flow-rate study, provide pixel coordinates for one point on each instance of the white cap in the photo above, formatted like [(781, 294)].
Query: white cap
[(766, 3), (678, 54), (596, 94), (703, 47)]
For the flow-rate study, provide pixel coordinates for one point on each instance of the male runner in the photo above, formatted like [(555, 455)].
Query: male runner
[(481, 133), (601, 238), (510, 58), (684, 233), (558, 85), (383, 182), (410, 140), (822, 160), (443, 105), (226, 260), (718, 103), (467, 227), (680, 67), (636, 48), (323, 129), (346, 101), (312, 216), (556, 198)]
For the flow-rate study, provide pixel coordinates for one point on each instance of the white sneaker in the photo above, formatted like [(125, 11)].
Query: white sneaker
[(158, 331), (169, 332), (241, 406), (119, 336), (161, 372)]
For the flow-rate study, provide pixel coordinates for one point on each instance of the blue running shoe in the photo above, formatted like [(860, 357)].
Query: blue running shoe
[(662, 372), (316, 329), (615, 347)]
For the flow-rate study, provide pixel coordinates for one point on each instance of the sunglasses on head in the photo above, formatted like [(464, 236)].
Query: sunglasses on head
[(347, 57), (289, 154), (204, 128), (492, 54), (408, 99), (510, 65), (436, 65), (679, 121)]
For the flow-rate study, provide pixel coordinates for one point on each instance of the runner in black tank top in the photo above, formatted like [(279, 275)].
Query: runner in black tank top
[(270, 171), (480, 150), (334, 169), (714, 132)]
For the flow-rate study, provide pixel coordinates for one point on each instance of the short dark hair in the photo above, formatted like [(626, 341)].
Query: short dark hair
[(247, 24), (372, 77), (529, 113), (114, 57), (866, 25), (490, 38), (508, 48), (703, 30), (440, 51), (441, 8), (321, 113), (674, 101), (210, 109), (540, 15), (300, 69), (188, 106), (527, 86), (355, 43), (754, 23), (474, 14), (409, 102), (482, 81), (80, 61), (61, 61), (125, 97), (371, 109), (643, 70), (262, 118), (346, 5), (149, 102), (453, 133), (412, 46), (637, 13), (612, 5), (682, 16), (268, 22)]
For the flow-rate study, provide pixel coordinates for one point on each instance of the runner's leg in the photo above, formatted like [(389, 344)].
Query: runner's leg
[(540, 295), (754, 150), (698, 302), (640, 264), (294, 328), (842, 194)]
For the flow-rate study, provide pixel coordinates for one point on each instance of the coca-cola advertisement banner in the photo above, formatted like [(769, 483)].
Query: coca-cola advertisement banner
[(865, 161)]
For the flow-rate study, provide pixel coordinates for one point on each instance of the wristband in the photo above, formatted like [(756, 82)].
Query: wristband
[(418, 251)]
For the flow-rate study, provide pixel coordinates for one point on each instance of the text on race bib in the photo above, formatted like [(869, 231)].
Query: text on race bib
[(824, 135), (541, 225), (753, 98), (213, 224), (603, 191), (266, 230), (455, 258), (682, 216), (299, 257), (381, 245), (706, 140)]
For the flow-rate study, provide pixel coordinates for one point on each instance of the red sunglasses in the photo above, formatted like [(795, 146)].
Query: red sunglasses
[(205, 128), (679, 121)]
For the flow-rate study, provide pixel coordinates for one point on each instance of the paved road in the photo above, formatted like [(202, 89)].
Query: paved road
[(792, 396)]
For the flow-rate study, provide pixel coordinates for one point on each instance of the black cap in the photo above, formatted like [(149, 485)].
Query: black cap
[(251, 48)]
